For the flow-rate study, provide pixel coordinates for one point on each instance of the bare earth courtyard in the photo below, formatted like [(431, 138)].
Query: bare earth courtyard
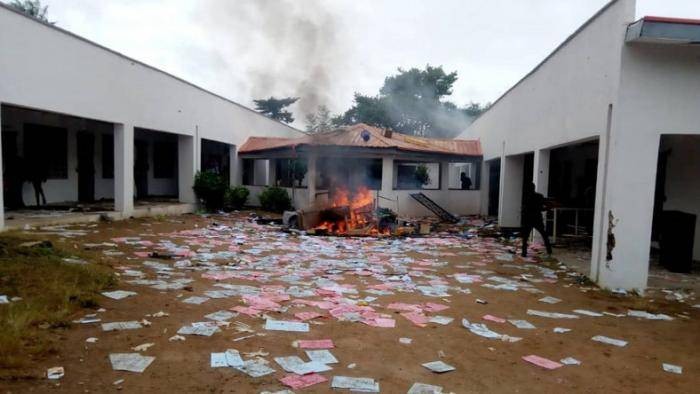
[(388, 306)]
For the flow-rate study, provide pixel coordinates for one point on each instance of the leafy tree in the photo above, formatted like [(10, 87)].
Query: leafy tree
[(275, 108), (32, 8), (413, 102), (320, 121)]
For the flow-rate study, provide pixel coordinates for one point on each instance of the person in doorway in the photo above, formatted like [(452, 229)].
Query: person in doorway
[(37, 175), (533, 206), (466, 181)]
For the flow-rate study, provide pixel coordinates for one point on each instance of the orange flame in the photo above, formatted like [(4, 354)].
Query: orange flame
[(360, 206)]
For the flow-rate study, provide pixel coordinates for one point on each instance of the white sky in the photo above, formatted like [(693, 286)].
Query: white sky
[(219, 44)]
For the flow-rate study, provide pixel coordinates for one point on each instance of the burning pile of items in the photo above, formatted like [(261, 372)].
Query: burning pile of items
[(349, 213)]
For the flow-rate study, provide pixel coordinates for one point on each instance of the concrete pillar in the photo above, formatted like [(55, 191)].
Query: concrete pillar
[(272, 172), (540, 171), (484, 188), (124, 169), (445, 177), (311, 173), (234, 166), (188, 165), (387, 176), (511, 192), (2, 197), (624, 214)]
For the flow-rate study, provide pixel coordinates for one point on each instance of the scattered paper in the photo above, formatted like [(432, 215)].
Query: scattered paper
[(255, 369), (439, 366), (143, 347), (56, 373), (322, 356), (570, 361), (542, 362), (549, 300), (206, 330), (365, 385), (609, 341), (551, 315), (672, 368), (561, 330), (422, 388), (195, 300), (118, 294), (443, 320), (315, 344), (221, 316), (588, 313), (121, 325), (494, 319), (291, 326), (132, 362), (522, 324), (299, 382), (649, 316), (405, 341), (229, 358)]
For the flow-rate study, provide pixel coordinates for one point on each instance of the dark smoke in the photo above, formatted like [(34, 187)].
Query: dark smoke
[(294, 46)]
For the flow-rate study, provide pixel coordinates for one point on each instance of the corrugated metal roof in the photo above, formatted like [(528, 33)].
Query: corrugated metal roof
[(351, 136)]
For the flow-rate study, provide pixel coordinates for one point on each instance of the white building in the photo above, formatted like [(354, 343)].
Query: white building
[(100, 125), (607, 122)]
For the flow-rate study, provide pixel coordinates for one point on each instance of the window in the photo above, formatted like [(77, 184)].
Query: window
[(107, 156), (455, 173), (248, 171), (46, 151), (291, 172), (164, 159), (417, 176)]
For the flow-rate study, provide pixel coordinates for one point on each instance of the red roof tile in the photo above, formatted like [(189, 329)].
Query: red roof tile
[(351, 136)]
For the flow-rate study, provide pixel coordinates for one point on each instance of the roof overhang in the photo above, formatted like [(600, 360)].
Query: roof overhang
[(302, 151), (659, 30)]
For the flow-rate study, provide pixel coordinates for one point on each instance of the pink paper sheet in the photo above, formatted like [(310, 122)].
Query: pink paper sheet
[(316, 344), (302, 381), (542, 362)]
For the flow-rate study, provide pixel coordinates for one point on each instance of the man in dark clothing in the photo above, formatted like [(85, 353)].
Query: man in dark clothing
[(533, 205), (466, 181)]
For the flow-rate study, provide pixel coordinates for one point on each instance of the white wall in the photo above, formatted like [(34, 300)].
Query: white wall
[(659, 94), (45, 68)]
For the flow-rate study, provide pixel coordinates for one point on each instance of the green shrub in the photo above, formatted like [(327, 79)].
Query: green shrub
[(275, 199), (210, 188), (421, 175), (236, 197)]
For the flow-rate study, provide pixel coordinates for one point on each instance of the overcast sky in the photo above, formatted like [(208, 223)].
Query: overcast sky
[(324, 51)]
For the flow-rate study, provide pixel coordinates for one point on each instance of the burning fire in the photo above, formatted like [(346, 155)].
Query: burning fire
[(350, 212)]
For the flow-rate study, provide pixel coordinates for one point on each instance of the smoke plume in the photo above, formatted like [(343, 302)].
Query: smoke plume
[(287, 47)]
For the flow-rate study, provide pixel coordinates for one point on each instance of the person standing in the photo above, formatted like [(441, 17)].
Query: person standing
[(466, 181), (533, 206), (37, 175)]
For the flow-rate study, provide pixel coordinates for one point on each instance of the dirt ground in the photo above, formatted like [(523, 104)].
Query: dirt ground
[(481, 364)]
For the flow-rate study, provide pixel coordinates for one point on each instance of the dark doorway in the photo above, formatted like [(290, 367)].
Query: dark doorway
[(141, 168), (86, 167), (13, 171), (215, 158), (494, 186)]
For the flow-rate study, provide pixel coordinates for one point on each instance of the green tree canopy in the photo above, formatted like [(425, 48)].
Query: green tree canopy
[(275, 108), (320, 121), (413, 102), (32, 8)]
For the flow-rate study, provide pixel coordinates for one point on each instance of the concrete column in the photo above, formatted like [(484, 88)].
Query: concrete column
[(124, 169), (484, 188), (445, 177), (2, 197), (311, 178), (234, 166), (624, 214), (188, 165), (272, 172), (387, 176), (540, 171), (511, 192)]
